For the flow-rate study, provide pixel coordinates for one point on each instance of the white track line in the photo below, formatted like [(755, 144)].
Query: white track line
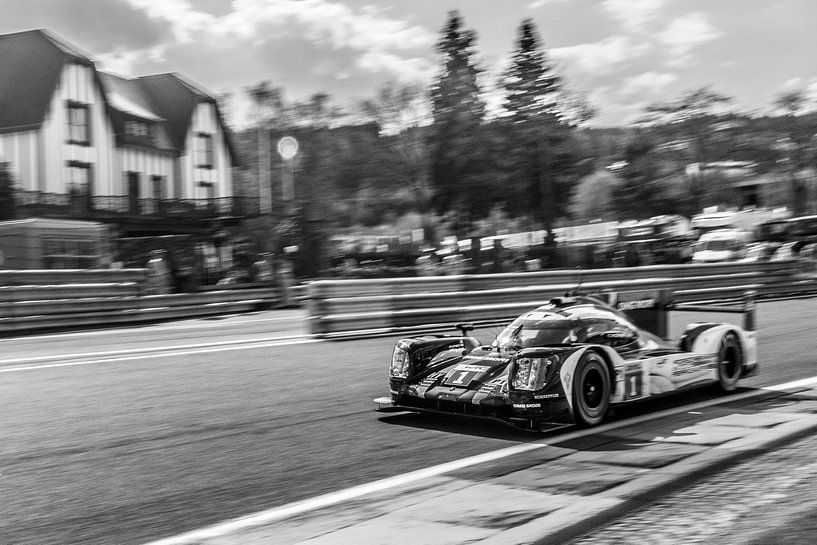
[(184, 351), (194, 323), (168, 349), (333, 498), (341, 496)]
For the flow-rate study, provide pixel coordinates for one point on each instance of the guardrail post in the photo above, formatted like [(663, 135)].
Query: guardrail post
[(317, 308), (749, 311)]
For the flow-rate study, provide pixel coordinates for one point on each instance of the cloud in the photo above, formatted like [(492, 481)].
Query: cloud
[(600, 57), (685, 34), (344, 38), (633, 14), (648, 84), (626, 102), (806, 86), (536, 4), (94, 25), (325, 22)]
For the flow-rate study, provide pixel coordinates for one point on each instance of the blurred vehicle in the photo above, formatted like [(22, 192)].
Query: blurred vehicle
[(798, 229), (786, 252), (570, 360), (759, 251), (720, 245), (712, 219), (658, 240)]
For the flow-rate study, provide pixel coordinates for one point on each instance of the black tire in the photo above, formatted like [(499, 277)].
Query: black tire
[(730, 362), (591, 390)]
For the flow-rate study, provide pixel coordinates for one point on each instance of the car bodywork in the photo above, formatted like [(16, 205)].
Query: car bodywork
[(568, 361)]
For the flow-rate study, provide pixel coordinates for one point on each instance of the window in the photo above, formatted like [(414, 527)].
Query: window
[(140, 130), (79, 123), (209, 190), (157, 187), (66, 253), (204, 150), (78, 177)]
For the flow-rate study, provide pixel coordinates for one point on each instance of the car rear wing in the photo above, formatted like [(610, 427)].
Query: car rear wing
[(650, 309)]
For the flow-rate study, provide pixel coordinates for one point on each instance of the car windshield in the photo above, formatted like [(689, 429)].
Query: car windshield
[(528, 333)]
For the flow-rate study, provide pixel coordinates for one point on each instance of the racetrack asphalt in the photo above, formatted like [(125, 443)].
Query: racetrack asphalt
[(711, 473)]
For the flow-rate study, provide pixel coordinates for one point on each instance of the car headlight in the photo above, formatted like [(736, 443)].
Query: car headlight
[(530, 373), (400, 362)]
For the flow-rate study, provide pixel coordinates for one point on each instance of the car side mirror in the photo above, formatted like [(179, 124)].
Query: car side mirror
[(464, 327)]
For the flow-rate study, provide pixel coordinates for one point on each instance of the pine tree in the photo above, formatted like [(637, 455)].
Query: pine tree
[(539, 144), (531, 86), (457, 111)]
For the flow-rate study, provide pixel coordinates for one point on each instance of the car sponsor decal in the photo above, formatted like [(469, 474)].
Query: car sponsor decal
[(486, 358), (633, 381), (462, 375), (527, 405), (693, 364)]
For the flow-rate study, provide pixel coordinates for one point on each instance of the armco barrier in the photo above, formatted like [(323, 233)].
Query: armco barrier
[(469, 283), (35, 277), (27, 316), (340, 306), (47, 300)]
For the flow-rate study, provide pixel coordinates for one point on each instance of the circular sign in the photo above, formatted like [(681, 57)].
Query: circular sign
[(287, 147)]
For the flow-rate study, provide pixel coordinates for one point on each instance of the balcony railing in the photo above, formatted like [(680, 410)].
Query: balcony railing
[(80, 206)]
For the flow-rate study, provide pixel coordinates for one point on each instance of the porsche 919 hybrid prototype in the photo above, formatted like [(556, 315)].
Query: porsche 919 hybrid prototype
[(568, 361)]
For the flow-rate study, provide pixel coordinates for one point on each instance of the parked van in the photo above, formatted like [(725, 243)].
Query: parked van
[(720, 245)]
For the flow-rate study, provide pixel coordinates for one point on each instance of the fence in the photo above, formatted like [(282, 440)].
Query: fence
[(341, 306), (47, 300)]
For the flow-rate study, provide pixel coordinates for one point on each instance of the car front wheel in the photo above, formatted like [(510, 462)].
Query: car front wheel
[(591, 390)]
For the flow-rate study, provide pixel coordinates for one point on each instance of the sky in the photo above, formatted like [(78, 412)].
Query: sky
[(623, 55)]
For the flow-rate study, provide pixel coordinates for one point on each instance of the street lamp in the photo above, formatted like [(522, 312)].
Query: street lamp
[(288, 149)]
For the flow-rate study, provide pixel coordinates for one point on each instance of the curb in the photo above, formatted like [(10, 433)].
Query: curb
[(646, 489)]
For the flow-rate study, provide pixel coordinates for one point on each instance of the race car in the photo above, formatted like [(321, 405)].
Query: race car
[(568, 361)]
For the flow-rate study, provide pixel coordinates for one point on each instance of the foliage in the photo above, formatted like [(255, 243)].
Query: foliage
[(540, 150), (531, 87), (693, 105), (638, 196), (592, 199), (401, 112), (457, 109), (7, 203)]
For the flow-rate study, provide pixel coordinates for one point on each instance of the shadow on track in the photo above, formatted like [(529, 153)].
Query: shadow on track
[(497, 429)]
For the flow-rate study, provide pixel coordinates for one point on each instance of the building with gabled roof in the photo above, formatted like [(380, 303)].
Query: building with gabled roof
[(151, 154)]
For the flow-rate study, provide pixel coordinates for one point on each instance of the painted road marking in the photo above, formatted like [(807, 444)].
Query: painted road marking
[(333, 498), (170, 326), (180, 351), (168, 348), (341, 496)]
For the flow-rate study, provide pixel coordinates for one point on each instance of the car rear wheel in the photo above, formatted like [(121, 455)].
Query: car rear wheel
[(730, 362), (591, 390)]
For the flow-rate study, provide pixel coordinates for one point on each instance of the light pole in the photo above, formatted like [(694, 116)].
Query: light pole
[(288, 149)]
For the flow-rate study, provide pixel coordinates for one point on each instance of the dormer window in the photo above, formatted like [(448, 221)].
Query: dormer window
[(138, 129), (204, 150), (79, 123)]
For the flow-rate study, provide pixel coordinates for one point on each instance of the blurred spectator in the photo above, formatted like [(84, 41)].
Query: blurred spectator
[(185, 272), (261, 270), (158, 279), (631, 257), (426, 264)]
